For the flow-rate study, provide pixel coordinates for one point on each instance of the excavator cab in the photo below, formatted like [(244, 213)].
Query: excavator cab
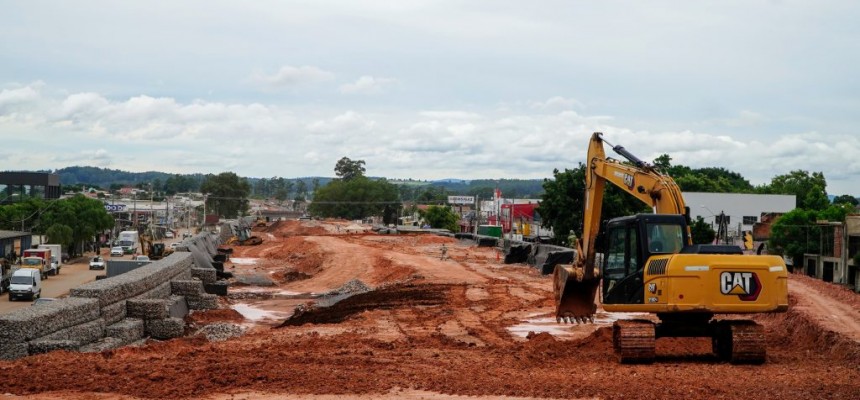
[(630, 242)]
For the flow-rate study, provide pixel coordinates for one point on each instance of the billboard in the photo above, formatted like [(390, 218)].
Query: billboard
[(461, 199)]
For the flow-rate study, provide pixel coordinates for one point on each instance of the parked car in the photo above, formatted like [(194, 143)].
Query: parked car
[(141, 258), (168, 234), (97, 263), (174, 245), (65, 258), (117, 251)]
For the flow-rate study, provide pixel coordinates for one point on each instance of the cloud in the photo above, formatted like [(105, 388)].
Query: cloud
[(447, 115), (290, 76), (367, 85), (557, 103), (164, 133)]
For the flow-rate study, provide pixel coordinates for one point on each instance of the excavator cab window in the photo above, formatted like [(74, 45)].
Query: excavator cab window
[(622, 275), (665, 238)]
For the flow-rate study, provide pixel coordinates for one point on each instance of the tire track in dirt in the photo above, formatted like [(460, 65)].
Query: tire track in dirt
[(831, 314)]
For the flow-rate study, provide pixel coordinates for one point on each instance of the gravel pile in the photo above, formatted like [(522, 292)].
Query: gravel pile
[(354, 286), (220, 331)]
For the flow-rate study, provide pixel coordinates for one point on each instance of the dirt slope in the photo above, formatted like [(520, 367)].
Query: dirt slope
[(438, 329)]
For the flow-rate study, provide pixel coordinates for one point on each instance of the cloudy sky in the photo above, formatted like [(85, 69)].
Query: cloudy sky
[(430, 89)]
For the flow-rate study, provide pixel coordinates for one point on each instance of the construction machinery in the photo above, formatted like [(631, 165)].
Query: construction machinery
[(650, 265), (242, 235), (151, 249)]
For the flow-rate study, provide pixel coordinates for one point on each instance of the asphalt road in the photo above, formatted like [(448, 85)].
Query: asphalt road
[(71, 275)]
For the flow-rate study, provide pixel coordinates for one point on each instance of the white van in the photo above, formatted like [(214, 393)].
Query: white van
[(25, 283)]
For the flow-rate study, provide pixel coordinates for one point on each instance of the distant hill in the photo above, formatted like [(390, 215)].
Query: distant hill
[(105, 178)]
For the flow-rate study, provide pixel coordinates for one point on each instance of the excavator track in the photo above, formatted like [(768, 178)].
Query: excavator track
[(740, 342), (634, 341)]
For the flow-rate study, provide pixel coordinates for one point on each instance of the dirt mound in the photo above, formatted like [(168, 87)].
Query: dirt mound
[(838, 292), (385, 298), (296, 228)]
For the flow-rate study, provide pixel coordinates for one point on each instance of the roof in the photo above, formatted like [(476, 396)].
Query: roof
[(13, 234)]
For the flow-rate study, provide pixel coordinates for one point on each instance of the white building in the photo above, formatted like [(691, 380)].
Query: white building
[(741, 209)]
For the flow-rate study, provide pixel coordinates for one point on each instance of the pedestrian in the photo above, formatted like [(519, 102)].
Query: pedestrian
[(444, 252)]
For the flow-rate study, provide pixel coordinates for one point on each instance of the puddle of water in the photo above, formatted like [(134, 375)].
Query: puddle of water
[(549, 324), (244, 261), (255, 314)]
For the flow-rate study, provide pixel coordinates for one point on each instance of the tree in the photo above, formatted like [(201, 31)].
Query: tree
[(809, 189), (85, 216), (561, 206), (442, 217), (60, 234), (357, 198), (347, 169), (301, 190), (795, 234), (702, 232), (846, 199), (709, 179), (227, 194)]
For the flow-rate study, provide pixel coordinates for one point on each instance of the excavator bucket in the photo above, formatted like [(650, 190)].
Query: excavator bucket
[(574, 296)]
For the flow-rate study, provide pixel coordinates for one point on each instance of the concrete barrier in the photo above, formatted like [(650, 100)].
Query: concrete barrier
[(113, 312)]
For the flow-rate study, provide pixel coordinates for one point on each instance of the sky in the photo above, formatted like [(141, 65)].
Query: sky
[(430, 89)]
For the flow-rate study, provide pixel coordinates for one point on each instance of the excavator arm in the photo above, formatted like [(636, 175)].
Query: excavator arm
[(575, 285)]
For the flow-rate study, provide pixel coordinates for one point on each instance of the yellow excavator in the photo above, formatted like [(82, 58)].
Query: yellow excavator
[(151, 249), (650, 265)]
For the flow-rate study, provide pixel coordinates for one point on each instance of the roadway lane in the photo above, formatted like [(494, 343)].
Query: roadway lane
[(71, 276)]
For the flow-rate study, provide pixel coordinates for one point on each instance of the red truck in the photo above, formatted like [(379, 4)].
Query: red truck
[(39, 259)]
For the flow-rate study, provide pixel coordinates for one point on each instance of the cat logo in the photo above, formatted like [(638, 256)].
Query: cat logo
[(745, 285), (628, 180)]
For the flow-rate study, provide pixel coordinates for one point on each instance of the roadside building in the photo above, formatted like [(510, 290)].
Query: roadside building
[(14, 241), (839, 243), (742, 211)]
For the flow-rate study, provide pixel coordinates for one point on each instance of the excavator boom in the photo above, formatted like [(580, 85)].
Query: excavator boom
[(575, 285)]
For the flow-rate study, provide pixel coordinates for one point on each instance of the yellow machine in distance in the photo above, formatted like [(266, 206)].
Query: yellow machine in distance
[(649, 264)]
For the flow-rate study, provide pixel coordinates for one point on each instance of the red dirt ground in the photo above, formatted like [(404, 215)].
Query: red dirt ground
[(439, 329)]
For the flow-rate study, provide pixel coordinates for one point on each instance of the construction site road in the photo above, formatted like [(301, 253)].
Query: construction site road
[(411, 325)]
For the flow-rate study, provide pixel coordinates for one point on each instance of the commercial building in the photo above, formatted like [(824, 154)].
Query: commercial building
[(742, 211), (17, 185)]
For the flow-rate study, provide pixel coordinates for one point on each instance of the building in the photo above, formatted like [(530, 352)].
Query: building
[(14, 240), (839, 243), (17, 185), (742, 210)]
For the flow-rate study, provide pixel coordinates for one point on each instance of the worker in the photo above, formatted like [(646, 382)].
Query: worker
[(444, 252)]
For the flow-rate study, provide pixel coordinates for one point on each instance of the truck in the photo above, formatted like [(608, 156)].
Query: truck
[(37, 259), (128, 241), (56, 255)]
